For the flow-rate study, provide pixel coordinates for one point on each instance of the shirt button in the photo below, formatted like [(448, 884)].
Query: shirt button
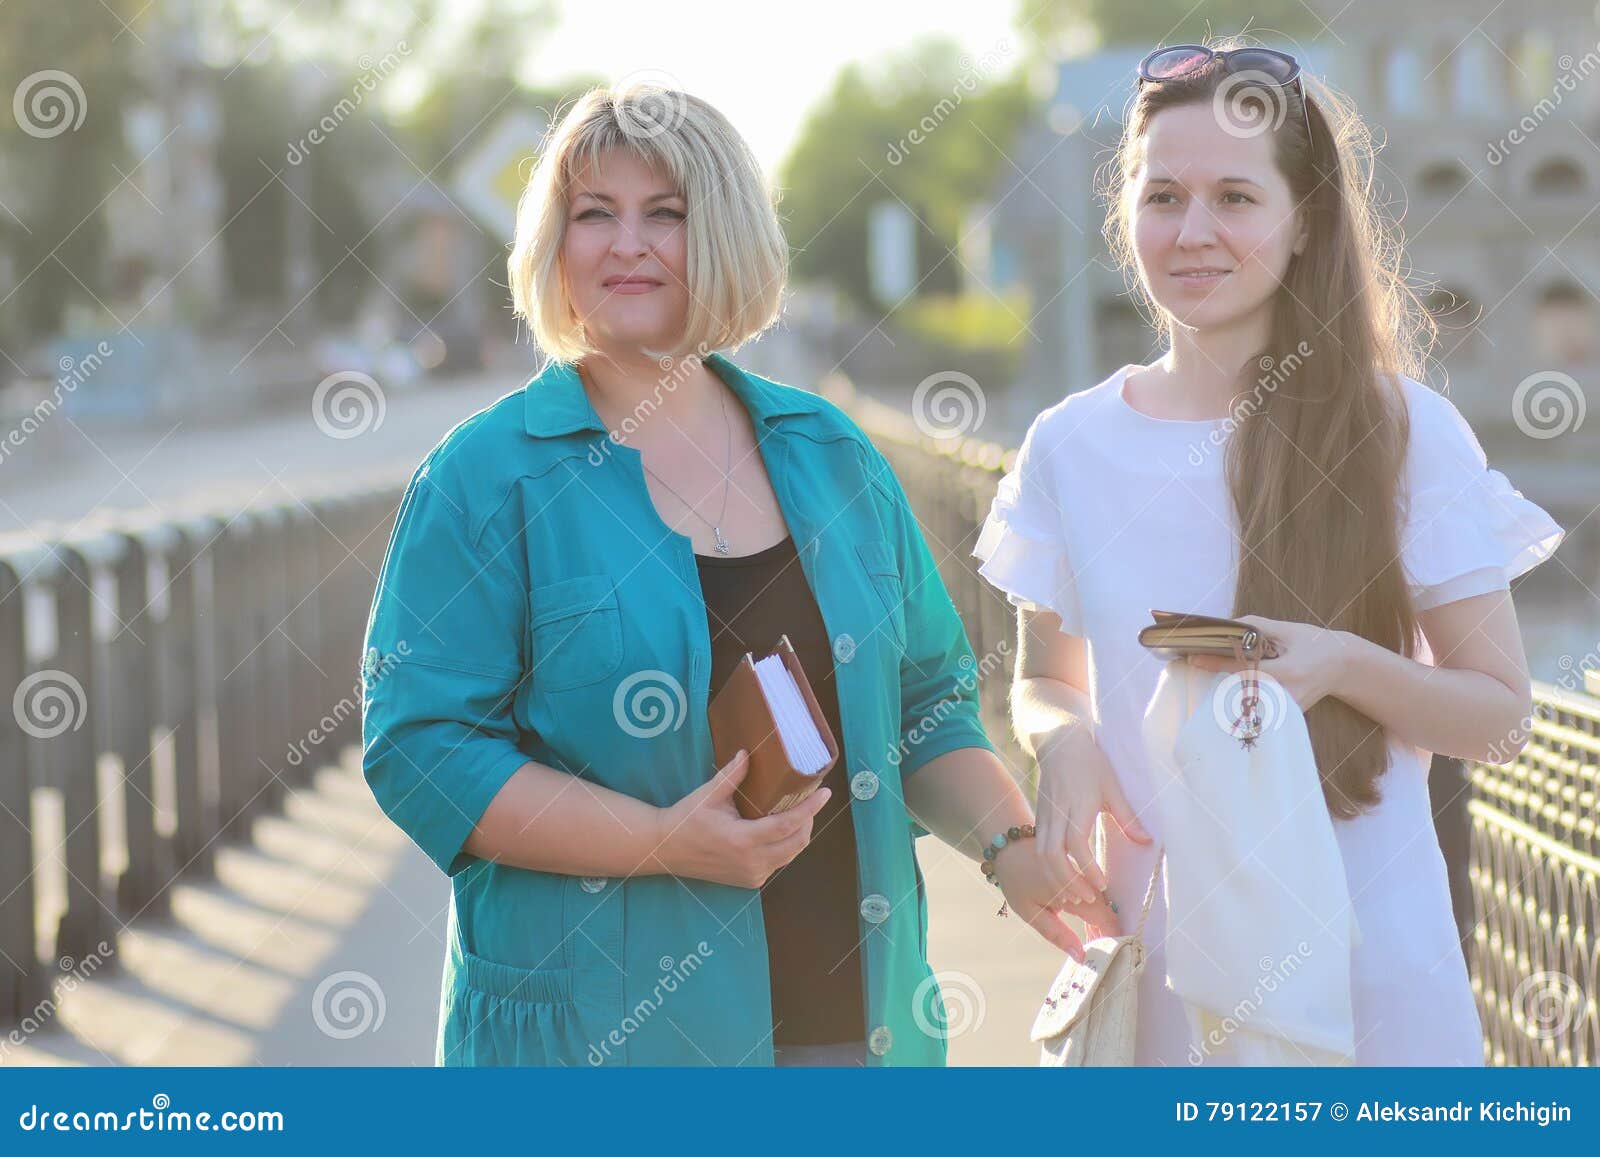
[(864, 785), (879, 1040), (593, 884), (875, 908)]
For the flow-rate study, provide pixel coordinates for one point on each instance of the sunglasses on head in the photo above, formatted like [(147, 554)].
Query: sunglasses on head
[(1270, 65)]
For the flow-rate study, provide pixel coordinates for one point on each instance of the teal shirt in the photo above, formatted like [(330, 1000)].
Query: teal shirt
[(533, 606)]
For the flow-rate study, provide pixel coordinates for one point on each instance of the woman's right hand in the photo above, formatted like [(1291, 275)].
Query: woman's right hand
[(703, 836), (1077, 783)]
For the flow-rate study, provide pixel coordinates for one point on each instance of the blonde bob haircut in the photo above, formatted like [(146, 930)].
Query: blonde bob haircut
[(737, 255)]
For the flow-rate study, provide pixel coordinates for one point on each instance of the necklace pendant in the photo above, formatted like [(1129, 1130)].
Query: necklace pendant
[(721, 543)]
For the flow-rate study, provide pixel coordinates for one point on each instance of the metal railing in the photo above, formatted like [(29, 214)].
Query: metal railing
[(1534, 853), (162, 676), (1535, 871)]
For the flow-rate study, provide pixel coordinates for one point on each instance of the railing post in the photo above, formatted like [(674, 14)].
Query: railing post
[(272, 656), (233, 633), (333, 611), (133, 667), (75, 751), (302, 626), (19, 966), (183, 677)]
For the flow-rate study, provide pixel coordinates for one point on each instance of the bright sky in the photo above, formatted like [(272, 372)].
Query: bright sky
[(763, 67)]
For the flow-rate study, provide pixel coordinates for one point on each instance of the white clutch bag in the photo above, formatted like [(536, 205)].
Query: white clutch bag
[(1091, 1012)]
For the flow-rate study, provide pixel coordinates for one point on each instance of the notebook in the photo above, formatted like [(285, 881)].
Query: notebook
[(768, 708)]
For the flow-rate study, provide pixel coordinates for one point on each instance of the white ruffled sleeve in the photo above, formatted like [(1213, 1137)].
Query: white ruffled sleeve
[(1467, 531), (1022, 545)]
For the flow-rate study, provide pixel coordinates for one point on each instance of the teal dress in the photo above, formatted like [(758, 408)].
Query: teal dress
[(533, 606)]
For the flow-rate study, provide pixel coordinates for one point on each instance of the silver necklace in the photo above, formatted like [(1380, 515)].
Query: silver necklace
[(718, 542)]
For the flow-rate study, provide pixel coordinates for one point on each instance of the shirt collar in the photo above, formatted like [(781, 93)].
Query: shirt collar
[(555, 402)]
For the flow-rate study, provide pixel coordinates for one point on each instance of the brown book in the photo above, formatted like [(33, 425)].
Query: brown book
[(746, 714), (1174, 635)]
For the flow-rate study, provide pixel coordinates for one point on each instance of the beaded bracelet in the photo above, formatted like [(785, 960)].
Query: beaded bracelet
[(1014, 832)]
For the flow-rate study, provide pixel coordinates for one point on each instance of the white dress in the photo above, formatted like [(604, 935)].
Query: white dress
[(1111, 513)]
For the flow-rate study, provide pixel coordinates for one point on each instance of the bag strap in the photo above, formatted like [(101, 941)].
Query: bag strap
[(1155, 874), (1150, 892)]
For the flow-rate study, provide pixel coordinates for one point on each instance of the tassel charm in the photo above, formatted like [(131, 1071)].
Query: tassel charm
[(1248, 726)]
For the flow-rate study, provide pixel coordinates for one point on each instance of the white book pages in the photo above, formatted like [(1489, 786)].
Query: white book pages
[(802, 742)]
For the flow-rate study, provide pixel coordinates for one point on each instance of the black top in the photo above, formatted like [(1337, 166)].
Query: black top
[(809, 906)]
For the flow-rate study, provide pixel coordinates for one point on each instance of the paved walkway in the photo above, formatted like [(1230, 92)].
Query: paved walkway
[(233, 978), (321, 943)]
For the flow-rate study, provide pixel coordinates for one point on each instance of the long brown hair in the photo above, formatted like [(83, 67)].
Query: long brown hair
[(1315, 466)]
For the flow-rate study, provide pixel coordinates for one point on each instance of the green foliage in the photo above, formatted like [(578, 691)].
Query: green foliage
[(278, 66), (1051, 27), (57, 177), (969, 321), (932, 129)]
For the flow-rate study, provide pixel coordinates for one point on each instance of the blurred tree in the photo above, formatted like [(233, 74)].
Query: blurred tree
[(1061, 27), (931, 129), (256, 125), (489, 36), (273, 63), (61, 146), (455, 66)]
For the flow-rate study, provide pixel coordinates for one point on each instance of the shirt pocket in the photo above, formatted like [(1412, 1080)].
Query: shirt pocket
[(575, 632), (883, 571), (501, 1014)]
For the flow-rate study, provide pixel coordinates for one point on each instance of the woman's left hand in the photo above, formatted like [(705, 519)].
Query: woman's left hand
[(1030, 894), (1311, 662)]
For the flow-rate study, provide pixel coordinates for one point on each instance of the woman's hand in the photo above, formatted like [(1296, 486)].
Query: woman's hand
[(703, 836), (1311, 663), (1030, 894), (1077, 783)]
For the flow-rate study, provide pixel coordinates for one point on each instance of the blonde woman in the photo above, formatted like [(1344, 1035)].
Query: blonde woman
[(576, 570), (1283, 463)]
